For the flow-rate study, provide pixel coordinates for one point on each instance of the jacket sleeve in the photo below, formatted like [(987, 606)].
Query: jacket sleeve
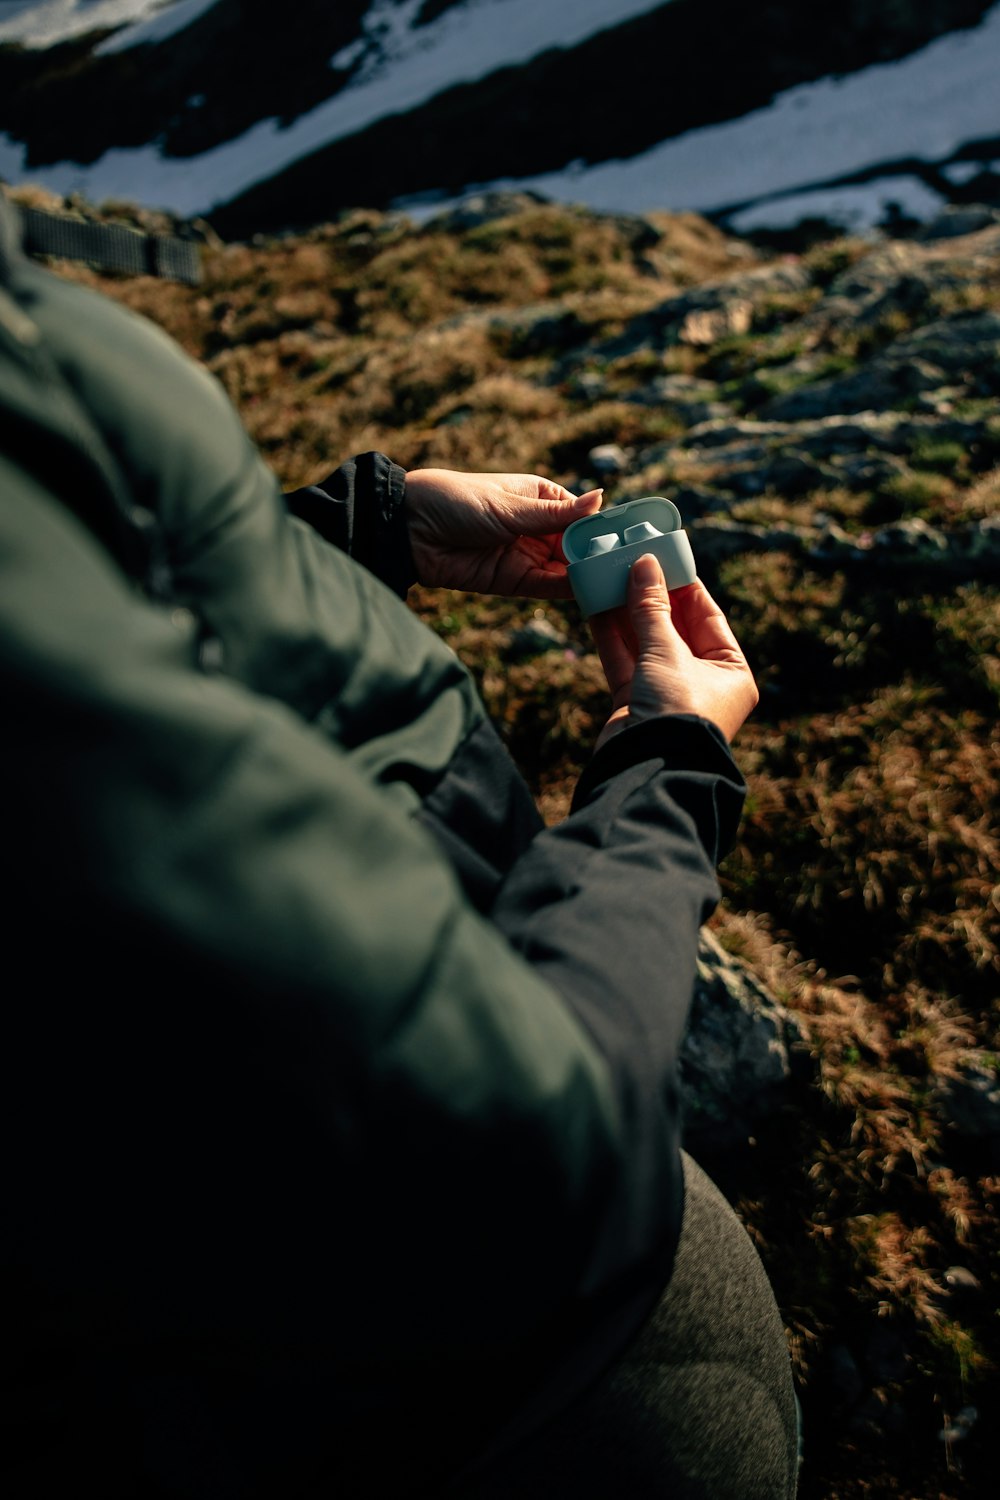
[(606, 907), (359, 508)]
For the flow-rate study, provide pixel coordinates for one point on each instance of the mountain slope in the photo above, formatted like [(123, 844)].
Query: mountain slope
[(367, 103)]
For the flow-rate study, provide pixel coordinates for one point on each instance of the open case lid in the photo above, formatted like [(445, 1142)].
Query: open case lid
[(659, 512)]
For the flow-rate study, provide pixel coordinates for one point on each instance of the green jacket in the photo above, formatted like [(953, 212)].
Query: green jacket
[(339, 1097)]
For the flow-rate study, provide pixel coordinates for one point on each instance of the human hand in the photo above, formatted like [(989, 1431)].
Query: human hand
[(492, 533), (671, 653)]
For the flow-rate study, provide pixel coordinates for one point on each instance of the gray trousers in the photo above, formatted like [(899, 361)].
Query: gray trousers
[(700, 1407)]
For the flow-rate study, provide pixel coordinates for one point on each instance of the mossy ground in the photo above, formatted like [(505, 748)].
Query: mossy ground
[(864, 884)]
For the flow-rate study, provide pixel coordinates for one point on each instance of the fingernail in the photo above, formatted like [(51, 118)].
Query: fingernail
[(582, 502), (645, 572)]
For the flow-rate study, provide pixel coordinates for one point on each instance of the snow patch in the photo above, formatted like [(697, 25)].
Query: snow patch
[(463, 44), (925, 106), (857, 207), (157, 28), (961, 172), (42, 23)]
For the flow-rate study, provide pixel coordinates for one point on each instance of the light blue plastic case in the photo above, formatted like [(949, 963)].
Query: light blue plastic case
[(601, 548)]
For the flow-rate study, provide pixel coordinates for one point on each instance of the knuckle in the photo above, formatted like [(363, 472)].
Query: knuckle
[(650, 598)]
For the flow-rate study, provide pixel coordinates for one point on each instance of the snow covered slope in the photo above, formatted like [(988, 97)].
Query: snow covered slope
[(758, 170), (42, 23), (205, 106)]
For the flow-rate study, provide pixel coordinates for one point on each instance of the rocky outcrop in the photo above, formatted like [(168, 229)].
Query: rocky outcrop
[(968, 551), (963, 348), (739, 1052), (968, 1099), (707, 312), (878, 380)]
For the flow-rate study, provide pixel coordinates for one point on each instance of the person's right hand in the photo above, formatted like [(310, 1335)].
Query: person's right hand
[(669, 653)]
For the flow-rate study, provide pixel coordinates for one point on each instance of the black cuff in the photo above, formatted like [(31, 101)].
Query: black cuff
[(396, 566), (679, 742), (359, 508)]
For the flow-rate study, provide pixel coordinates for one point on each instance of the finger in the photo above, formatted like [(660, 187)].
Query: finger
[(541, 583), (702, 623), (649, 607), (528, 486), (539, 515), (589, 503), (617, 622), (545, 489), (616, 646)]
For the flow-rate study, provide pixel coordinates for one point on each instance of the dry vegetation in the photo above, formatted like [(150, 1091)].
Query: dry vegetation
[(864, 886)]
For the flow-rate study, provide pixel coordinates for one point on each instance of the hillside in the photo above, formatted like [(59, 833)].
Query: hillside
[(828, 423)]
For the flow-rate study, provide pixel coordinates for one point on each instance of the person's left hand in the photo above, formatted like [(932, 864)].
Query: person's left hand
[(492, 533)]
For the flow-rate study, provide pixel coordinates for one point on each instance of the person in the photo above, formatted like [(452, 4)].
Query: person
[(343, 1139)]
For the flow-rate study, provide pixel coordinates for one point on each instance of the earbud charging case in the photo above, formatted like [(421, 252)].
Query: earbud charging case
[(600, 582)]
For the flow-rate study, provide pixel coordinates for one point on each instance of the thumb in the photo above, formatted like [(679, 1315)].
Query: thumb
[(649, 605), (541, 515)]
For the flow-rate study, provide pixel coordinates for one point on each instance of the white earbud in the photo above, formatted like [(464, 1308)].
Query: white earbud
[(606, 543), (640, 532)]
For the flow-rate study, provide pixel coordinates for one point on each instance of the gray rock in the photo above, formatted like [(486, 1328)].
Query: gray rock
[(685, 388), (693, 502), (590, 385), (911, 540), (876, 1418), (732, 300), (969, 551), (887, 1356), (726, 432), (877, 386), (860, 471), (823, 437), (962, 348), (961, 1285), (456, 417), (832, 544), (737, 1057), (706, 325), (536, 638), (975, 547), (608, 459), (691, 413), (639, 232), (703, 411), (867, 280), (939, 403), (788, 474), (970, 1099), (951, 343), (902, 275), (738, 453), (714, 538), (694, 401), (540, 332), (482, 208), (746, 483), (847, 1384), (910, 293), (955, 220), (959, 1429), (541, 327)]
